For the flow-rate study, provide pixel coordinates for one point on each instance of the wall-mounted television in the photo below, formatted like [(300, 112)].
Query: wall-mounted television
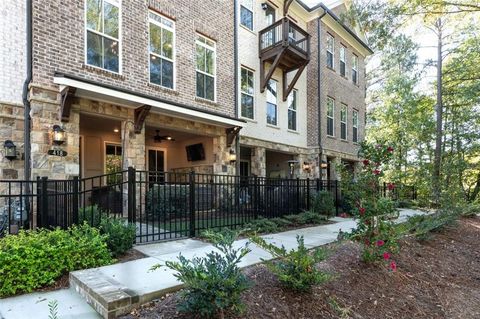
[(195, 152)]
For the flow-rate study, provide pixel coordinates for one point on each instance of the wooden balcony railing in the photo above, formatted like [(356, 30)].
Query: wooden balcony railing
[(284, 33)]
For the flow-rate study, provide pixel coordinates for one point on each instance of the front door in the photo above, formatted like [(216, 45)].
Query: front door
[(156, 165)]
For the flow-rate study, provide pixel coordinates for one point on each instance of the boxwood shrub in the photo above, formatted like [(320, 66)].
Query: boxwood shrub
[(33, 259)]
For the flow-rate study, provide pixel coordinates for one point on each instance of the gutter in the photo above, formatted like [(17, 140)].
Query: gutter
[(26, 102), (319, 98)]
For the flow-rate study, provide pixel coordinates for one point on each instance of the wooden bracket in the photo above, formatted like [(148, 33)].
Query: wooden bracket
[(232, 132), (265, 78), (66, 97), (286, 5), (140, 115), (287, 88)]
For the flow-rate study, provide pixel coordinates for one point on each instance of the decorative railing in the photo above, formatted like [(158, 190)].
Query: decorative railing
[(284, 33)]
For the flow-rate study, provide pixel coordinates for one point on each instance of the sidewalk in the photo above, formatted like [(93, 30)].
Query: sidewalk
[(115, 289)]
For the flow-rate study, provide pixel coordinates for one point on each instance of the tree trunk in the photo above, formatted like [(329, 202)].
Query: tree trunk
[(439, 120)]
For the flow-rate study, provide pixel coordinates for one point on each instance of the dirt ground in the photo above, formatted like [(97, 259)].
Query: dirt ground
[(438, 278)]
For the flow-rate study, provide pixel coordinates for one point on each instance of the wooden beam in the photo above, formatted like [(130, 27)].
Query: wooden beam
[(289, 88), (264, 80), (66, 96), (286, 5), (140, 115), (232, 132)]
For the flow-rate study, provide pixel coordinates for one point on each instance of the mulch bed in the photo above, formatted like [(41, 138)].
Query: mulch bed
[(438, 278)]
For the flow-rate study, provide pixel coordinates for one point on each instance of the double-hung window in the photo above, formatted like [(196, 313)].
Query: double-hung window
[(247, 93), (162, 49), (103, 34), (342, 61), (272, 102), (205, 52), (354, 69), (292, 110), (343, 122), (355, 126), (246, 13), (330, 51), (330, 116)]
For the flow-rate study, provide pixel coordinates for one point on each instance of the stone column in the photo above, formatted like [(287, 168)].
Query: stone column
[(323, 171), (334, 171), (221, 153), (133, 146), (258, 162)]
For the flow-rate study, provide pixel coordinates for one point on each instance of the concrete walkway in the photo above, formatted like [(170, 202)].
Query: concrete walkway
[(115, 289)]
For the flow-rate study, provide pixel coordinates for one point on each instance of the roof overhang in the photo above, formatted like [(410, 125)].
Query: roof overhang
[(110, 94)]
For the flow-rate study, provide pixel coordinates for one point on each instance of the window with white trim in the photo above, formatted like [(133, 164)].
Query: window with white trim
[(330, 116), (102, 43), (330, 51), (355, 126), (162, 50), (343, 122), (247, 93), (354, 69), (292, 110), (342, 61), (272, 102), (205, 68), (246, 13)]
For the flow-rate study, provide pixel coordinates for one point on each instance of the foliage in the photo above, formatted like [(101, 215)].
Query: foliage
[(323, 203), (213, 284), (53, 309), (264, 225), (261, 225), (422, 226), (471, 210), (310, 217), (33, 259), (92, 215), (295, 269), (167, 202)]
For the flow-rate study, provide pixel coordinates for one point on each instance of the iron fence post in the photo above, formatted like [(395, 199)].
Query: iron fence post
[(131, 196), (298, 194), (192, 203), (75, 200), (256, 191), (317, 186), (308, 193), (44, 202), (336, 197)]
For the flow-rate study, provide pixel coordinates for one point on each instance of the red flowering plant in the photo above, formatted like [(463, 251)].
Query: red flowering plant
[(373, 213)]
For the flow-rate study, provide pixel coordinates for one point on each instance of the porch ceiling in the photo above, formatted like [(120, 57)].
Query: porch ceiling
[(110, 94)]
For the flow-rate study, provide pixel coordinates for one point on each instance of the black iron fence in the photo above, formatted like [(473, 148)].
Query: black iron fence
[(399, 191), (163, 205)]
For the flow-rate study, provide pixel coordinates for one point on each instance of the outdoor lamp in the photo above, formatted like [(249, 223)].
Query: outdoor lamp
[(232, 156), (10, 150), (324, 165), (306, 167), (291, 165), (58, 135)]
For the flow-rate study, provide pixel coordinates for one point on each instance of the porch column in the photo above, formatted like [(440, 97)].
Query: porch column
[(258, 162), (334, 171), (323, 171), (312, 161), (221, 161), (133, 146)]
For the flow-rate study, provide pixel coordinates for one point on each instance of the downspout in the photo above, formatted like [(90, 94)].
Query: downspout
[(319, 97), (235, 81), (26, 102)]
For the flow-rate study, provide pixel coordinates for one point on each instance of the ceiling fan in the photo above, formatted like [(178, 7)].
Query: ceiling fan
[(159, 138)]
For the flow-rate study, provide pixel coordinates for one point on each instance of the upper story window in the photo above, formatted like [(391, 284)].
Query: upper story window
[(354, 69), (103, 34), (162, 46), (246, 13), (270, 14), (330, 51), (355, 126), (343, 122), (342, 61), (272, 102), (330, 116), (205, 52), (292, 110), (247, 93)]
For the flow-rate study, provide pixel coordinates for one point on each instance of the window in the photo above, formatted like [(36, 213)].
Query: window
[(292, 110), (205, 52), (102, 34), (342, 60), (113, 162), (330, 116), (162, 47), (247, 92), (354, 69), (343, 122), (330, 51), (355, 126), (272, 102), (246, 14)]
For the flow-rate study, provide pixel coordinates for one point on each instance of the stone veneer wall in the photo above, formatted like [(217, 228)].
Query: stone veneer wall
[(11, 128)]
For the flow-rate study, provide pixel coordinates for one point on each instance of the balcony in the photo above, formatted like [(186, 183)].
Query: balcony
[(286, 46)]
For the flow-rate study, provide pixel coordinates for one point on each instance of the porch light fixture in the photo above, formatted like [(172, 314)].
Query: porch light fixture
[(58, 135), (324, 165), (306, 167), (116, 130), (232, 156), (10, 150), (291, 165), (264, 6)]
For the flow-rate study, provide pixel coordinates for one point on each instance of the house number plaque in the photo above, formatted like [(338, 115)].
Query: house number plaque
[(60, 153)]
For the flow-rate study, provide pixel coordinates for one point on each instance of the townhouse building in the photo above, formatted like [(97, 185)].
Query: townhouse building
[(267, 88)]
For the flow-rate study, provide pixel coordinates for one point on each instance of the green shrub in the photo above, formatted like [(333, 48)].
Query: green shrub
[(167, 201), (295, 269), (33, 259), (323, 203), (261, 225), (281, 222), (422, 226), (213, 284), (120, 235), (294, 219), (93, 215), (470, 210), (310, 217)]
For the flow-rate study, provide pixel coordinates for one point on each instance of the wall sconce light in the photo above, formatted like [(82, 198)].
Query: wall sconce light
[(324, 165), (58, 135), (232, 156), (264, 6), (306, 167), (10, 150), (291, 165)]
